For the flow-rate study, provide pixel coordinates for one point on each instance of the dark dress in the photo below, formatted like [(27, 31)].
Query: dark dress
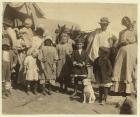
[(102, 69), (79, 58)]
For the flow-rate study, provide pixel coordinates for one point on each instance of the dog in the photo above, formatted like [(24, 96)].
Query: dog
[(88, 91)]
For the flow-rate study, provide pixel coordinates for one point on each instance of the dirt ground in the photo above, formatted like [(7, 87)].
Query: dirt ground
[(57, 103)]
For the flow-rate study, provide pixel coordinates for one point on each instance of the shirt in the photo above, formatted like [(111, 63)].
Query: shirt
[(5, 56), (102, 38)]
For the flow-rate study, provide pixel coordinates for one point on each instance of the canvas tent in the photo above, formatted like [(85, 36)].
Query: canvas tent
[(18, 11)]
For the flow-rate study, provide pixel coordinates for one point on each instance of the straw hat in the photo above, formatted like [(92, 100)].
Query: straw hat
[(104, 20)]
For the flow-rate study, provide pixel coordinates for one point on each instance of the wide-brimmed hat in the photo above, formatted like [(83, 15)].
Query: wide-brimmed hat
[(8, 22), (104, 20)]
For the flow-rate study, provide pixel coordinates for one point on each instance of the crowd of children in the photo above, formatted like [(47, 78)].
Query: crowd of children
[(41, 63)]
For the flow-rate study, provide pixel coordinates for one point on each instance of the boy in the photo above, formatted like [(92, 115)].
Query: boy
[(102, 69), (79, 60)]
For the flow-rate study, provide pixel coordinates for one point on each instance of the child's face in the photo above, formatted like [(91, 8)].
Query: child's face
[(79, 45), (34, 54), (64, 38), (48, 43)]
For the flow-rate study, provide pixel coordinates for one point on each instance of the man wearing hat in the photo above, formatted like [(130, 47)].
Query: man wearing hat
[(103, 37), (79, 60)]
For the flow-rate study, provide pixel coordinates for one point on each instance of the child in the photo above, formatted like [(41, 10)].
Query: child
[(103, 70), (64, 50), (8, 63), (31, 71), (28, 30), (48, 57), (79, 60)]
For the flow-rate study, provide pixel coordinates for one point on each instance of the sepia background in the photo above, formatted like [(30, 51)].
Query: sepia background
[(87, 15)]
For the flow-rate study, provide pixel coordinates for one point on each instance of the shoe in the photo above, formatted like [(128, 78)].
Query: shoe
[(34, 92), (27, 90), (102, 103), (49, 92), (6, 94), (9, 92), (44, 93), (73, 95)]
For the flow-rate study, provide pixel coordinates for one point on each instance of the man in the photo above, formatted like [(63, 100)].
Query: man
[(101, 37)]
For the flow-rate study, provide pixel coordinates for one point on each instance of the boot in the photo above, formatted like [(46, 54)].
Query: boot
[(6, 93), (61, 88), (27, 89), (9, 92), (49, 90), (43, 89), (75, 92), (35, 88), (66, 89)]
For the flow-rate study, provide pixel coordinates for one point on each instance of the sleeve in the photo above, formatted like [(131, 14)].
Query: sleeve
[(40, 54), (122, 39), (70, 49), (26, 62), (55, 54), (73, 56), (94, 48), (57, 50), (12, 34)]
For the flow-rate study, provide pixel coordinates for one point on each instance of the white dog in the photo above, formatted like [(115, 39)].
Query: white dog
[(88, 91)]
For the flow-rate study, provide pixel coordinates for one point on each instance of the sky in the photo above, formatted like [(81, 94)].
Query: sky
[(87, 15)]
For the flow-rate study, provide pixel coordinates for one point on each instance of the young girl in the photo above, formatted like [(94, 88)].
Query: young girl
[(48, 57), (64, 50), (79, 60), (103, 70), (31, 71)]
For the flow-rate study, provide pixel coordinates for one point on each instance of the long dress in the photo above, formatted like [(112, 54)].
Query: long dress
[(125, 63), (32, 69), (64, 62), (48, 55)]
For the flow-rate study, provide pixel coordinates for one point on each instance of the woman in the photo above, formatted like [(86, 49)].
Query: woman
[(125, 61)]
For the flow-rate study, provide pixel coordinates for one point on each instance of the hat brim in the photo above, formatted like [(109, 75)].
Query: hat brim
[(104, 22)]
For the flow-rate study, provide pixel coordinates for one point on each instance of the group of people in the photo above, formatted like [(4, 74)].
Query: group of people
[(38, 61)]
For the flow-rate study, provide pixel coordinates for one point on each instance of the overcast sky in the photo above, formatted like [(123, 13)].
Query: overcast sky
[(88, 15)]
